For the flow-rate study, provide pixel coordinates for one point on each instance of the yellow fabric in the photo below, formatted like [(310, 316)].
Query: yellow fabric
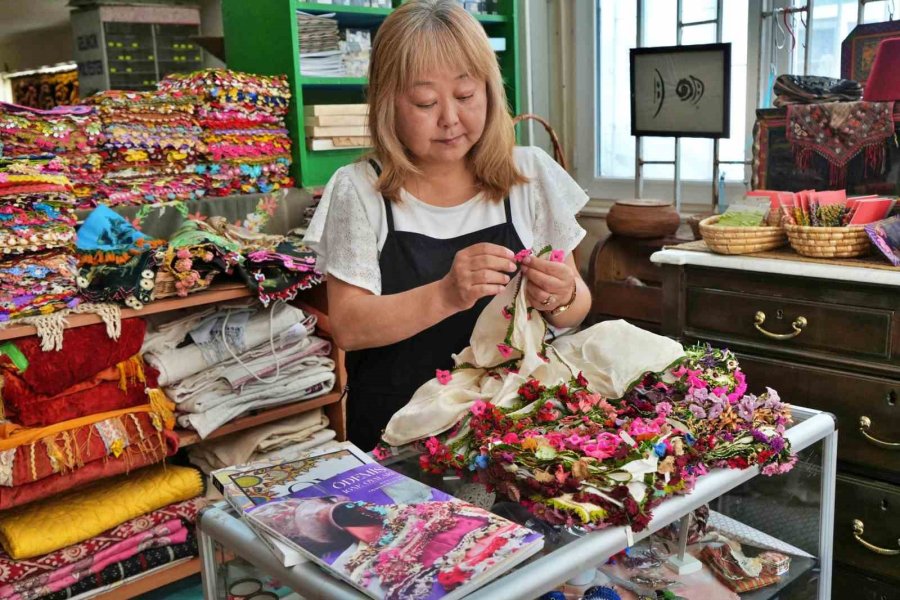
[(13, 436), (80, 514)]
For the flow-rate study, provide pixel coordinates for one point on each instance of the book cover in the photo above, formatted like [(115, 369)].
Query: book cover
[(387, 535)]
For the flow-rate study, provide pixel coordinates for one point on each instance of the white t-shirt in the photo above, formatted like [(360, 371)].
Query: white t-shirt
[(349, 228)]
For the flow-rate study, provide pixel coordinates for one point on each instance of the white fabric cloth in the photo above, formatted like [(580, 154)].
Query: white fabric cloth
[(612, 355), (218, 404), (238, 448), (349, 227), (178, 363)]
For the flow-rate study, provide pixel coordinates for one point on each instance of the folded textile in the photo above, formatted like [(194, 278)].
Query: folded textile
[(611, 355), (735, 570), (80, 444), (319, 439), (261, 361), (108, 541), (136, 565), (220, 404), (168, 534), (37, 284), (193, 256), (809, 89), (236, 449), (91, 510), (282, 272), (153, 449), (125, 385), (86, 351), (183, 362), (149, 573), (107, 237)]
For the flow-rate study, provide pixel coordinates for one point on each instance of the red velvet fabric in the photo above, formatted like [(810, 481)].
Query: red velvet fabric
[(100, 394), (134, 456), (77, 448), (85, 352), (883, 84)]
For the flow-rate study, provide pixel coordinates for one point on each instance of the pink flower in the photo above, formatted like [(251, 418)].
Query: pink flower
[(511, 438), (443, 377), (576, 440), (523, 254), (506, 314), (604, 447), (183, 253), (381, 453), (557, 256), (663, 409), (479, 408), (505, 351), (433, 445), (741, 387), (642, 430)]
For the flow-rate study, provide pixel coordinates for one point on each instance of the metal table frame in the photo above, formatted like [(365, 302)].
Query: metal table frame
[(215, 524)]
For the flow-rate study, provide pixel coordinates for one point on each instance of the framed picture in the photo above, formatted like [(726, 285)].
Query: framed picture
[(681, 91), (858, 48)]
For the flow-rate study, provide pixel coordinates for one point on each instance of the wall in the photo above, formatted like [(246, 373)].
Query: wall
[(37, 48), (211, 25)]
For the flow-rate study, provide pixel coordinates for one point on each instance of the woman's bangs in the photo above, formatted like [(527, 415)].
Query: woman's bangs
[(439, 49)]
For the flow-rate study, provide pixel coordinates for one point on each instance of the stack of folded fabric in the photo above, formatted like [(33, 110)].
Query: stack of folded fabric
[(283, 439), (115, 529), (88, 411), (217, 364), (193, 256), (813, 89), (37, 228), (242, 117), (152, 145)]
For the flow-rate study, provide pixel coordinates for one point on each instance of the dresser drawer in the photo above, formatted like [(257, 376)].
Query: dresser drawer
[(847, 582), (849, 398), (875, 508), (788, 325)]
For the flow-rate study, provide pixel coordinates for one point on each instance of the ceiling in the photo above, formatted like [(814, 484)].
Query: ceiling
[(22, 16)]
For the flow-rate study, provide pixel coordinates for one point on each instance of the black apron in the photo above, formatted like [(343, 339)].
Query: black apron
[(382, 380)]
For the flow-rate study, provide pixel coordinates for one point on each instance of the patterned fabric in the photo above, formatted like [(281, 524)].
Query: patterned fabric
[(242, 117), (19, 570), (73, 448), (721, 561), (838, 132), (134, 566), (37, 284), (808, 89), (280, 273), (94, 509), (168, 534)]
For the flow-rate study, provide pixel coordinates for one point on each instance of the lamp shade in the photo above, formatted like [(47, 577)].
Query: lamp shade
[(883, 84)]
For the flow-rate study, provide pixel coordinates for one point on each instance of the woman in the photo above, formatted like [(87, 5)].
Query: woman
[(417, 239)]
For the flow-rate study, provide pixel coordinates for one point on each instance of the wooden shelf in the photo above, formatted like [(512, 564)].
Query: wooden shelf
[(151, 581), (187, 437), (216, 293)]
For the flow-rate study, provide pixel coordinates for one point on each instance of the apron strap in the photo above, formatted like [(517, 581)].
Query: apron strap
[(508, 209), (387, 203)]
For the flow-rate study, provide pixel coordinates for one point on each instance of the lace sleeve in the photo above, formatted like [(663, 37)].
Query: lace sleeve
[(344, 240), (556, 199)]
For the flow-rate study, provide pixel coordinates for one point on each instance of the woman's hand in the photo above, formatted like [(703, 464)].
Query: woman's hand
[(550, 284), (478, 271)]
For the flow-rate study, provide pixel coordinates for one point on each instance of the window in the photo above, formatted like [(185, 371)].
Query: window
[(605, 30)]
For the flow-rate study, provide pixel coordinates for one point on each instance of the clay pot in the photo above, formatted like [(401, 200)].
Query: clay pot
[(643, 218)]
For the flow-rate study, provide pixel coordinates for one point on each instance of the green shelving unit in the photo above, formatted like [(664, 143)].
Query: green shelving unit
[(261, 37)]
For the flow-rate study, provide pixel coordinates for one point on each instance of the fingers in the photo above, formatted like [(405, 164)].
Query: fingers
[(488, 276), (489, 249), (557, 269), (545, 281), (490, 261)]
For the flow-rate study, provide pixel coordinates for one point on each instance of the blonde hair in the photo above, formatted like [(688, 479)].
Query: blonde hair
[(415, 38)]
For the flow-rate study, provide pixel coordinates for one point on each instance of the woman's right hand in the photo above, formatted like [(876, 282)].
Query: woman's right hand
[(478, 271)]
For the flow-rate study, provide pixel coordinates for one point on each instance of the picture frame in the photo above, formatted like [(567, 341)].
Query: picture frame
[(858, 48), (681, 91)]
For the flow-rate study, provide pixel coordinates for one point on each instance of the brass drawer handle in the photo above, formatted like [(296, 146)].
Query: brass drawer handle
[(864, 424), (798, 325), (859, 529)]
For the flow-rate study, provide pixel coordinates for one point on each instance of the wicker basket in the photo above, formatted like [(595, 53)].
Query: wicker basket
[(165, 285), (829, 242), (740, 240)]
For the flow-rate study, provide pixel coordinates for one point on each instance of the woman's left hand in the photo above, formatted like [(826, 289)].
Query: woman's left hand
[(550, 284)]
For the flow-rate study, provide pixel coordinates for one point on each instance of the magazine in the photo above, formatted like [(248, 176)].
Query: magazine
[(286, 553), (383, 533)]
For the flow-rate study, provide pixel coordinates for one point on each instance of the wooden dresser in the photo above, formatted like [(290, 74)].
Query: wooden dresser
[(826, 337)]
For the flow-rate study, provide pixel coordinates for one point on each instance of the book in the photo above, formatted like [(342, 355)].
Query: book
[(385, 534), (337, 120), (339, 143), (347, 131), (335, 109)]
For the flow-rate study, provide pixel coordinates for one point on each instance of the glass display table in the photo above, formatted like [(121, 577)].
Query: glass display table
[(796, 508)]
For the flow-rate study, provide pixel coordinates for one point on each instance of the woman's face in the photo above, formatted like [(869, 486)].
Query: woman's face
[(441, 116)]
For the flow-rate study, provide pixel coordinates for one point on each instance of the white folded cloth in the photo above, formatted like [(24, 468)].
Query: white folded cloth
[(611, 355)]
